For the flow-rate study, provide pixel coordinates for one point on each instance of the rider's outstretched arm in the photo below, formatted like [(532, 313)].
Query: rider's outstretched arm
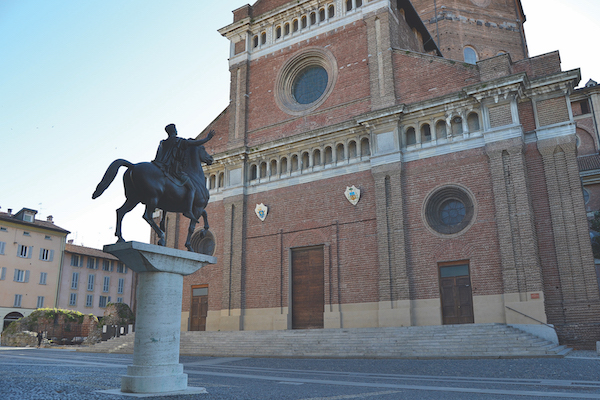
[(199, 142)]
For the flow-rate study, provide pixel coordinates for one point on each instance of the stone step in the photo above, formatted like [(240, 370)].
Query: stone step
[(447, 341)]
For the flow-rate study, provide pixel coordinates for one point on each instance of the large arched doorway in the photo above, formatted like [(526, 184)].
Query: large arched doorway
[(11, 317)]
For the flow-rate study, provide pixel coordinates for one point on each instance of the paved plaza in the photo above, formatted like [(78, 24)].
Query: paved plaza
[(29, 373)]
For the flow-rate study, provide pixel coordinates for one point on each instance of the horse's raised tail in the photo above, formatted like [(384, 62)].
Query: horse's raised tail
[(109, 176)]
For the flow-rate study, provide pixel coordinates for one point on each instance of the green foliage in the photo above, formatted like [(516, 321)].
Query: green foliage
[(52, 314), (118, 314)]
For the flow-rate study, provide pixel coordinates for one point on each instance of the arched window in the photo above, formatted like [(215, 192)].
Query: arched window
[(221, 182), (313, 18), (263, 169), (365, 149), (470, 55), (295, 25), (348, 5), (253, 172), (212, 183), (352, 149), (321, 15), (305, 160), (328, 155), (425, 133), (255, 41), (473, 122), (273, 170), (278, 32), (339, 152), (303, 22), (457, 128), (331, 12), (411, 137), (286, 29), (263, 38), (283, 165), (358, 3), (295, 162), (440, 130), (317, 157)]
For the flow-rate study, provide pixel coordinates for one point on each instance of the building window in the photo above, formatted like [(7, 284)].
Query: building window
[(310, 84), (263, 38), (90, 285), (449, 210), (92, 264), (121, 285), (331, 11), (119, 299), (2, 247), (2, 273), (295, 25), (106, 286), (255, 41), (321, 15), (121, 268), (103, 301), (21, 275), (286, 29), (470, 55), (425, 133), (76, 260), (73, 299), (40, 302), (313, 18), (89, 300), (46, 255), (411, 136), (26, 234), (24, 251), (303, 22), (106, 265), (3, 229), (278, 32), (48, 237), (457, 127), (348, 5), (440, 130), (365, 149), (74, 280), (473, 122), (17, 302), (43, 278)]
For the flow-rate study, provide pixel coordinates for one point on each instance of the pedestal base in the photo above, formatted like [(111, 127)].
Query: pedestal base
[(154, 379)]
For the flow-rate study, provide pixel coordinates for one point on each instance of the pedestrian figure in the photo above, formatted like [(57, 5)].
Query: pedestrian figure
[(40, 337)]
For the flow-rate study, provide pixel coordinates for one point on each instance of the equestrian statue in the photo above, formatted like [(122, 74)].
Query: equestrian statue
[(173, 182)]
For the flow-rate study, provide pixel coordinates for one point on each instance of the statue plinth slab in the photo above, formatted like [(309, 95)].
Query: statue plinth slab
[(156, 367)]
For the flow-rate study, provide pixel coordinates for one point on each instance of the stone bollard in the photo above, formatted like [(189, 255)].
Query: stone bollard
[(156, 367)]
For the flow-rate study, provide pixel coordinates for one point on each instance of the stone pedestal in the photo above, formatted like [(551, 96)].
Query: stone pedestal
[(156, 367)]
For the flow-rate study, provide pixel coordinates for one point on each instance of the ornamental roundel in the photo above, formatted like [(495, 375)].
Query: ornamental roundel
[(305, 81), (481, 3), (449, 210)]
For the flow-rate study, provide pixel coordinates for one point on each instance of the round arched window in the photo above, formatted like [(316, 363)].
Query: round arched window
[(305, 81), (449, 210)]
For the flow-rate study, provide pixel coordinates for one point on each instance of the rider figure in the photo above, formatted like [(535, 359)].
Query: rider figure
[(170, 158)]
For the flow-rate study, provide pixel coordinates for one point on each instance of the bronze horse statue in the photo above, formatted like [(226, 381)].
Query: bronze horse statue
[(150, 185)]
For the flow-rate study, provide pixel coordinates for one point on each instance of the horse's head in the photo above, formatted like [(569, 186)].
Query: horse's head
[(204, 156)]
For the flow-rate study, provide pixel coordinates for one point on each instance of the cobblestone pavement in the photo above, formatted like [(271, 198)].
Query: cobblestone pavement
[(28, 373)]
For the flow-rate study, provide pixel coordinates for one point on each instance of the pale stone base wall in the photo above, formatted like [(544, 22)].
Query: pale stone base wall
[(486, 309)]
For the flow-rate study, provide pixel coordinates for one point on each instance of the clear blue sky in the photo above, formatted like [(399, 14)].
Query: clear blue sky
[(83, 83)]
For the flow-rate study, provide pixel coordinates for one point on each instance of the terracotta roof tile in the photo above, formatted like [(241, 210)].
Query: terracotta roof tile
[(88, 251)]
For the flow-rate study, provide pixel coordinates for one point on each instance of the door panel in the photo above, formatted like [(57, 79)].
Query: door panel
[(308, 288), (456, 295), (199, 309)]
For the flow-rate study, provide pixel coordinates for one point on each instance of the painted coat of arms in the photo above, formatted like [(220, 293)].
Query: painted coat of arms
[(261, 211), (352, 194)]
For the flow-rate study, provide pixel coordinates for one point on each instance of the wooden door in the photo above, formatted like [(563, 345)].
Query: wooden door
[(199, 309), (456, 296), (308, 288)]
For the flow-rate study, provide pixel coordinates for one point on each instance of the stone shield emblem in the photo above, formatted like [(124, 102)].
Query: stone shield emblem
[(261, 211), (352, 194)]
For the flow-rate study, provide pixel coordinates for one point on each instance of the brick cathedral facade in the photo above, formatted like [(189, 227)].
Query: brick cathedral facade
[(463, 147)]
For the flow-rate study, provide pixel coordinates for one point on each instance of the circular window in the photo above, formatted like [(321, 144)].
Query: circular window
[(203, 242), (449, 210), (310, 84), (305, 81)]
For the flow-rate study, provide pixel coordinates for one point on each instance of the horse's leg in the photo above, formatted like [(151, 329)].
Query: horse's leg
[(188, 240), (150, 207), (163, 220), (124, 209), (205, 218)]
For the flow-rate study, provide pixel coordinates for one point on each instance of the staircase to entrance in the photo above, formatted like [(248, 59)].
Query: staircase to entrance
[(424, 342)]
